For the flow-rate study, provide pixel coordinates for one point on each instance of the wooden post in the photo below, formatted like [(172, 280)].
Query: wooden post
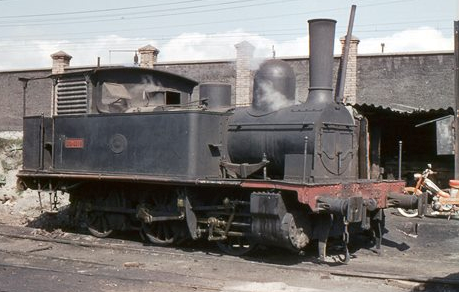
[(375, 144), (363, 150)]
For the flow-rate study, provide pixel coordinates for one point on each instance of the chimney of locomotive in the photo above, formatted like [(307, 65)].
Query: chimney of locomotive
[(322, 32)]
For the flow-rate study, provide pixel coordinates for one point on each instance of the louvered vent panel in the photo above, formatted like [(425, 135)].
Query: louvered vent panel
[(72, 96)]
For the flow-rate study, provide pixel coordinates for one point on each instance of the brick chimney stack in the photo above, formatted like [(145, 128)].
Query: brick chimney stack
[(243, 87), (149, 56), (61, 60), (350, 89)]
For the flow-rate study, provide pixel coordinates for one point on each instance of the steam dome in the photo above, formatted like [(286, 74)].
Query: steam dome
[(274, 86)]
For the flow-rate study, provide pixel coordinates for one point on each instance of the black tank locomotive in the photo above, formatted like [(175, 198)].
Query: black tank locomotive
[(135, 152)]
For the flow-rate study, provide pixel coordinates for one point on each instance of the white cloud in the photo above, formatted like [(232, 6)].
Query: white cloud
[(221, 46), (414, 40), (36, 53), (198, 46)]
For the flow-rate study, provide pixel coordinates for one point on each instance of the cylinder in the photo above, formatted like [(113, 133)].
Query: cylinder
[(321, 63), (274, 86), (215, 95)]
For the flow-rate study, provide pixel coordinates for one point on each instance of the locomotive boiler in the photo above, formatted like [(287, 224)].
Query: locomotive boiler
[(312, 141), (135, 152)]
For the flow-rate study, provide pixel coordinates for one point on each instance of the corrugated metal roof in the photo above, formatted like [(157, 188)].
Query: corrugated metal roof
[(400, 109)]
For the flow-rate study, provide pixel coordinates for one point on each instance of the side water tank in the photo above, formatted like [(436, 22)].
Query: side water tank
[(274, 86)]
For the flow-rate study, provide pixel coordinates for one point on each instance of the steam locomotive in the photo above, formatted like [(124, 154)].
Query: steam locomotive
[(135, 152)]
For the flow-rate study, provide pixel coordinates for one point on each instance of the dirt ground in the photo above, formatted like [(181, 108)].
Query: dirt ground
[(431, 253), (22, 208), (17, 208)]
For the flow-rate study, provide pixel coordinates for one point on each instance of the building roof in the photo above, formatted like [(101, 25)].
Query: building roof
[(61, 54), (148, 48), (370, 109)]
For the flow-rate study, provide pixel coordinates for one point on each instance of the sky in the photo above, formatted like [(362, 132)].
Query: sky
[(190, 30)]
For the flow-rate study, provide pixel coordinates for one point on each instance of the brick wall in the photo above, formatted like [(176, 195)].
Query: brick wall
[(414, 80), (212, 71), (38, 99)]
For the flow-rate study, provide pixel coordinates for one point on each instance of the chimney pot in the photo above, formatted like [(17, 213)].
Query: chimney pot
[(149, 56), (61, 60)]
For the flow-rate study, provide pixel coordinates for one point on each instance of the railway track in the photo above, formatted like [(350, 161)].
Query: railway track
[(145, 281), (49, 241), (32, 260)]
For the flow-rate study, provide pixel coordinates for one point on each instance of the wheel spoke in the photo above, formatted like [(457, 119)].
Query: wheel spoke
[(167, 232), (236, 245), (105, 225), (98, 224), (160, 233), (92, 219)]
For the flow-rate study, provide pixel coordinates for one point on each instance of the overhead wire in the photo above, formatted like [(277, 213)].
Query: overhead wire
[(155, 5), (265, 33), (234, 20), (151, 14), (206, 41), (289, 32), (151, 28), (175, 13), (100, 10)]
